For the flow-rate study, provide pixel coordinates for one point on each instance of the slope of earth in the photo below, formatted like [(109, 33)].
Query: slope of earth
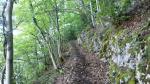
[(139, 15), (83, 68)]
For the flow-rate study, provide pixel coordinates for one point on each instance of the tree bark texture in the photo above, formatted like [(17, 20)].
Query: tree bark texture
[(9, 42)]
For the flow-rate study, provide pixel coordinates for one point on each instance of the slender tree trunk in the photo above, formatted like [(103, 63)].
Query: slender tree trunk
[(4, 43), (58, 30), (3, 75), (43, 36), (97, 5), (59, 35), (52, 58), (92, 15), (9, 44)]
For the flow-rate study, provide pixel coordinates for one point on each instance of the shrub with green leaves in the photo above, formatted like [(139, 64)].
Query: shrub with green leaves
[(112, 9)]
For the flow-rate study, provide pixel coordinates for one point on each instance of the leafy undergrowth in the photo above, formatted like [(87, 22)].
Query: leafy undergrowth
[(47, 77)]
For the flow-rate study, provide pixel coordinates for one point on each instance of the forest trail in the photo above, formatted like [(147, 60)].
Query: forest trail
[(83, 68)]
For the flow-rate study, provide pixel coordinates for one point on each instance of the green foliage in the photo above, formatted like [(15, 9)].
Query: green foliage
[(72, 26), (113, 9), (25, 59), (116, 74), (48, 77), (31, 57), (69, 34)]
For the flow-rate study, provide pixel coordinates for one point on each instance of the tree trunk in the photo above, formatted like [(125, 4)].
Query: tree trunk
[(4, 43), (52, 58), (9, 44), (92, 15), (97, 7), (58, 30), (43, 35), (3, 75)]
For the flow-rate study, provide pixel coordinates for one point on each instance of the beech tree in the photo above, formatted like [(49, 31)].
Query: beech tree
[(9, 42)]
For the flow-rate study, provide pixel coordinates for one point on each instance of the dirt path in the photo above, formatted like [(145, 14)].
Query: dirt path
[(83, 68)]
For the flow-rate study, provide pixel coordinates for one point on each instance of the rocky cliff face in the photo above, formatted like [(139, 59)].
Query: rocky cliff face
[(128, 57)]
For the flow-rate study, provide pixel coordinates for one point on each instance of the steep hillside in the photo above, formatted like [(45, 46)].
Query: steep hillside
[(124, 45)]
